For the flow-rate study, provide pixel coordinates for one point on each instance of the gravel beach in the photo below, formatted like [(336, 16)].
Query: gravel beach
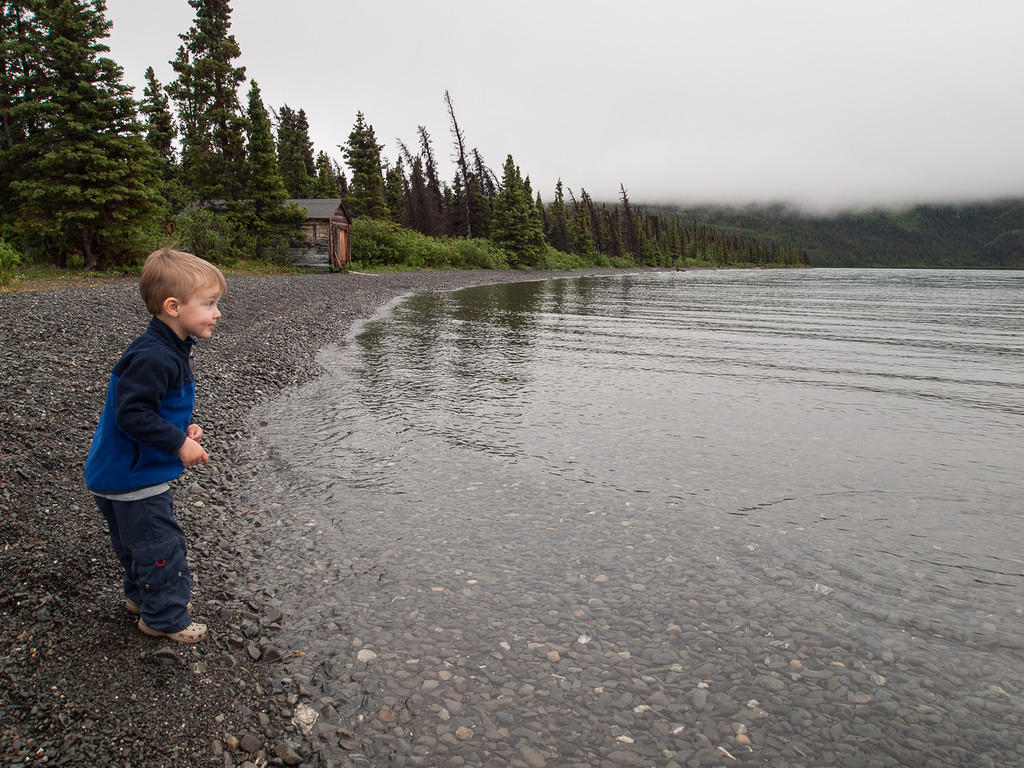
[(334, 644), (79, 684)]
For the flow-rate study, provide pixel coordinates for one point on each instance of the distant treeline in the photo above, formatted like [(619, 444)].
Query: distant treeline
[(981, 235), (89, 176)]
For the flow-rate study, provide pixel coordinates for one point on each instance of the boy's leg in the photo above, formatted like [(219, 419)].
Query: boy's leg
[(159, 565), (124, 555)]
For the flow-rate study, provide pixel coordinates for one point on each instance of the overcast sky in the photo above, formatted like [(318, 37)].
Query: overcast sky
[(820, 103)]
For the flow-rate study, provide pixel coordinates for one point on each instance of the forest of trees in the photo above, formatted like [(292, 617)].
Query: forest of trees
[(969, 235), (90, 176)]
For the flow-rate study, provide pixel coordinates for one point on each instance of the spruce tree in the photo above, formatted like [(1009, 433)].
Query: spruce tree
[(305, 144), (394, 190), (630, 230), (21, 73), (557, 230), (160, 129), (469, 189), (515, 226), (481, 208), (366, 187), (206, 95), (416, 212), (160, 135), (580, 232), (438, 221), (78, 174), (326, 184), (263, 211), (291, 149)]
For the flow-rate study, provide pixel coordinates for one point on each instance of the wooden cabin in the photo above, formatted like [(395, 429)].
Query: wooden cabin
[(326, 239)]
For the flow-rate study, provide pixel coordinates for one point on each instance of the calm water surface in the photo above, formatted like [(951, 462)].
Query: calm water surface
[(845, 444)]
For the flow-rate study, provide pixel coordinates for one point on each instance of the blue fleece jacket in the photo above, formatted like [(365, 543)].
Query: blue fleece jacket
[(147, 412)]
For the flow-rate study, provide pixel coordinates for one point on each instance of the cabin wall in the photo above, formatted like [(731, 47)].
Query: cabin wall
[(316, 231)]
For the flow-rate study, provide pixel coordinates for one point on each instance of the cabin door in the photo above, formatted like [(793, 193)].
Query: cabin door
[(340, 252)]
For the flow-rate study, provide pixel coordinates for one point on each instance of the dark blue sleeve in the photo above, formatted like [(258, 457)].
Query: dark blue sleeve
[(142, 384)]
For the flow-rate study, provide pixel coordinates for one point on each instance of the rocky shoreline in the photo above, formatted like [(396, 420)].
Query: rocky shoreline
[(338, 640), (79, 685)]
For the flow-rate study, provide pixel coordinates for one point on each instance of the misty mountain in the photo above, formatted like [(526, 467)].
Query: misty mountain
[(980, 235)]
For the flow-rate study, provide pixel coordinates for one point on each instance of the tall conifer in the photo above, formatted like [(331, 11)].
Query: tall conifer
[(160, 129), (305, 144), (438, 221), (292, 142), (21, 73), (263, 210), (326, 185), (395, 184), (580, 231), (79, 174), (557, 231), (366, 187), (515, 226), (206, 95)]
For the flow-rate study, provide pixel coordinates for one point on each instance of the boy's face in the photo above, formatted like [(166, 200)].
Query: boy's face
[(197, 316)]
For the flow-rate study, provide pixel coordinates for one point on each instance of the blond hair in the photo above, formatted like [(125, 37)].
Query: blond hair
[(167, 272)]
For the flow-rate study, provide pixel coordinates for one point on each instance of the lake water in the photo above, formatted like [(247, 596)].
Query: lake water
[(789, 460)]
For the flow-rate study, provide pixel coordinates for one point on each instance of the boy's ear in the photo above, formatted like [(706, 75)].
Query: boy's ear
[(171, 306)]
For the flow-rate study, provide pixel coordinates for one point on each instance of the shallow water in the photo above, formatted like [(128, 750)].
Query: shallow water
[(790, 461)]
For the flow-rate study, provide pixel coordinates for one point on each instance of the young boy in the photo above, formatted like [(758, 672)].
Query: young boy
[(146, 438)]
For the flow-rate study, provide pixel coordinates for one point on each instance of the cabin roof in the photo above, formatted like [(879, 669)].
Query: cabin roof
[(317, 208)]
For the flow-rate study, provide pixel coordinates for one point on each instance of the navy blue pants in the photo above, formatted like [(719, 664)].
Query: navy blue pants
[(151, 546)]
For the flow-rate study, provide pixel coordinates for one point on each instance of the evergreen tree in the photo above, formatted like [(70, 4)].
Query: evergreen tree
[(486, 189), (206, 95), (366, 188), (342, 181), (394, 190), (481, 210), (536, 213), (468, 187), (630, 234), (417, 213), (595, 220), (160, 130), (263, 212), (21, 78), (580, 233), (77, 171), (542, 212), (434, 195), (326, 185), (515, 226), (610, 233), (305, 144), (484, 176), (557, 229), (649, 253), (160, 134), (291, 148)]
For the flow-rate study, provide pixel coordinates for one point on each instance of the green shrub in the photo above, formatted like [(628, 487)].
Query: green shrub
[(559, 260), (378, 243), (9, 260), (476, 254), (209, 235), (375, 242)]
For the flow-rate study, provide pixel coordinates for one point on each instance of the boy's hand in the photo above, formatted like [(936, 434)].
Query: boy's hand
[(192, 453), (195, 432)]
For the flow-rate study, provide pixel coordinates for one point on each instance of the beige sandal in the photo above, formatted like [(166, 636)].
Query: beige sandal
[(193, 633)]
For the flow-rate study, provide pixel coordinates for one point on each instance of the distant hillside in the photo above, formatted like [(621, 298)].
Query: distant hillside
[(972, 235)]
